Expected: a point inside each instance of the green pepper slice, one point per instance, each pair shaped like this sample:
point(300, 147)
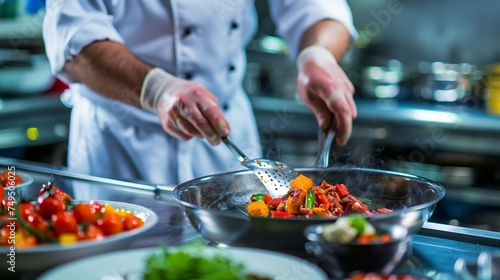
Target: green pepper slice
point(310, 197)
point(257, 197)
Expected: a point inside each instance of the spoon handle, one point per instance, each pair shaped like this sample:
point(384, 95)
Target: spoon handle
point(236, 151)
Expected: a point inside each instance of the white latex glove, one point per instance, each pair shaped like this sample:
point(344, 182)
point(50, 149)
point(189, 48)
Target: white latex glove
point(326, 90)
point(186, 109)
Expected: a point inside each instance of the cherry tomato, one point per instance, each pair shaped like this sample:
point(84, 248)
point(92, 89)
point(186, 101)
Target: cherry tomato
point(4, 236)
point(85, 213)
point(64, 222)
point(110, 224)
point(46, 191)
point(9, 178)
point(132, 222)
point(96, 205)
point(62, 195)
point(37, 222)
point(2, 193)
point(90, 232)
point(49, 206)
point(26, 209)
point(4, 205)
point(107, 209)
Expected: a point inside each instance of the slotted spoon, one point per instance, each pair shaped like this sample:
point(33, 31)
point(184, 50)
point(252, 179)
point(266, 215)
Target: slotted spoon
point(276, 176)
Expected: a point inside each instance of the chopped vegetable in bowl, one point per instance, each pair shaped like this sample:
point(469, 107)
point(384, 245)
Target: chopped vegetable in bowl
point(353, 244)
point(353, 228)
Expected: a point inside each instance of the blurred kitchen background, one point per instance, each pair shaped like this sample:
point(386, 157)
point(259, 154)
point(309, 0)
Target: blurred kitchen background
point(427, 80)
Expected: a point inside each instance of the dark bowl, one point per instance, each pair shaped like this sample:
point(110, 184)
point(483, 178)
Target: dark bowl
point(346, 258)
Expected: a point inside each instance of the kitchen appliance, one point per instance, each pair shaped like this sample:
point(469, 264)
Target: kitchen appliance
point(385, 81)
point(443, 82)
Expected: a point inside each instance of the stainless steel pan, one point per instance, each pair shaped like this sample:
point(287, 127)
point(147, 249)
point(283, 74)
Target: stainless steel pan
point(215, 205)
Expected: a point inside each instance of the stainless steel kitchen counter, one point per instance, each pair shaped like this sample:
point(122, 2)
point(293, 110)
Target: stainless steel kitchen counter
point(433, 250)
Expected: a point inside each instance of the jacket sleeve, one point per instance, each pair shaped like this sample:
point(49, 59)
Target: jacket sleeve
point(293, 18)
point(69, 26)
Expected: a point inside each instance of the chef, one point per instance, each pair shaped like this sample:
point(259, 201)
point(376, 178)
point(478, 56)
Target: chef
point(155, 84)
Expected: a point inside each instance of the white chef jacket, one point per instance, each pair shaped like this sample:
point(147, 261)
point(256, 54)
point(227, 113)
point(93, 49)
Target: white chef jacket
point(199, 40)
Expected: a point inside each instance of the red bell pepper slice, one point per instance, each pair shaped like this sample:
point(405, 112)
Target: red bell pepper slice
point(341, 189)
point(267, 198)
point(321, 196)
point(275, 202)
point(281, 214)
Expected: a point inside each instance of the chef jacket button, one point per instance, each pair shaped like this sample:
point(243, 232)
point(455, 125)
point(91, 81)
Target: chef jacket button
point(225, 107)
point(231, 68)
point(234, 25)
point(188, 31)
point(188, 75)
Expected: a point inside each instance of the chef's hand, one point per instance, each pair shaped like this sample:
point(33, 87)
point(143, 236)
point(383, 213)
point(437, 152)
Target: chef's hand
point(326, 90)
point(186, 109)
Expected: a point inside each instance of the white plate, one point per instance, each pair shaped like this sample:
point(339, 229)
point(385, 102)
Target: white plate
point(131, 262)
point(45, 256)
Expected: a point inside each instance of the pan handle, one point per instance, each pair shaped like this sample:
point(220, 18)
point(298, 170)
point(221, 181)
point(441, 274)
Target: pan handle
point(325, 141)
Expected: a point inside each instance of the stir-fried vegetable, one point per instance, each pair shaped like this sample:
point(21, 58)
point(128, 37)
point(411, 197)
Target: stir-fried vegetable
point(310, 197)
point(307, 200)
point(258, 209)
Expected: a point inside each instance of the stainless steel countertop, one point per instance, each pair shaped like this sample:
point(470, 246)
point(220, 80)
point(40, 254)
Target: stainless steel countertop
point(433, 250)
